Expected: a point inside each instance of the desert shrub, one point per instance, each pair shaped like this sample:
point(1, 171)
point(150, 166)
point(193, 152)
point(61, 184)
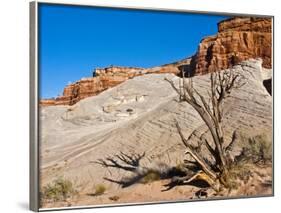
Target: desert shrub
point(258, 149)
point(237, 171)
point(100, 189)
point(59, 189)
point(151, 176)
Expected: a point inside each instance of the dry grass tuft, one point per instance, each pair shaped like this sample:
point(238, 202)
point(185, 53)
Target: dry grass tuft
point(99, 189)
point(59, 190)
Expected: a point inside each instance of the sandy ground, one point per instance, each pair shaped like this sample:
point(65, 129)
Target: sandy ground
point(157, 191)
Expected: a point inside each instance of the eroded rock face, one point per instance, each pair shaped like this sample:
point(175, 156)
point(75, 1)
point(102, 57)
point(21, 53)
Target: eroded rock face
point(48, 102)
point(238, 39)
point(89, 87)
point(104, 78)
point(133, 119)
point(119, 71)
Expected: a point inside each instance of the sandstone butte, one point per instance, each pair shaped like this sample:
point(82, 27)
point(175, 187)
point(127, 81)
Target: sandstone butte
point(238, 39)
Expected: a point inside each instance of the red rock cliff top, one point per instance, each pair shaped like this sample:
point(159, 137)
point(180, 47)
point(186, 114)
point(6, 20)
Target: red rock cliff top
point(245, 24)
point(238, 39)
point(104, 78)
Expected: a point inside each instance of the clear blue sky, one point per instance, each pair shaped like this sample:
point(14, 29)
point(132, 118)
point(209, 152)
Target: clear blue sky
point(74, 40)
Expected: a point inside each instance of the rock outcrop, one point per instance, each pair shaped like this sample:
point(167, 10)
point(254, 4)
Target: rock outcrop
point(238, 39)
point(104, 78)
point(48, 102)
point(133, 119)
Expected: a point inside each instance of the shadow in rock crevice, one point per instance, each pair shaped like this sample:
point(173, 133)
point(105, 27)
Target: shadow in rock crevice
point(268, 85)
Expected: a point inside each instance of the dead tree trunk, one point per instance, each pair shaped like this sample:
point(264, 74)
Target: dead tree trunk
point(222, 83)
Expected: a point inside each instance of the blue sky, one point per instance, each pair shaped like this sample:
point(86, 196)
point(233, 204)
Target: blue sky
point(74, 40)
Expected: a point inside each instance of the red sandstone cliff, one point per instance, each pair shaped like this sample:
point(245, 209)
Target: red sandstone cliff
point(103, 79)
point(238, 39)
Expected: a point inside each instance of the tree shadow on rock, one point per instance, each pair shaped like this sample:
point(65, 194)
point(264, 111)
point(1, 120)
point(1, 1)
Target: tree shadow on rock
point(122, 161)
point(142, 174)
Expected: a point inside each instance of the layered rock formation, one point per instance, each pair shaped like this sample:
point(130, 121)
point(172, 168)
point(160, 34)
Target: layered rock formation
point(129, 72)
point(140, 119)
point(104, 78)
point(238, 39)
point(47, 102)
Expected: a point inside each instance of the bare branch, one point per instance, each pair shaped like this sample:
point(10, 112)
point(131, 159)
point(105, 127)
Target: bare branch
point(173, 86)
point(190, 150)
point(233, 140)
point(211, 112)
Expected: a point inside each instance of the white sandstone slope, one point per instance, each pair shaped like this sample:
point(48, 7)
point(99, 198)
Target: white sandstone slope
point(137, 117)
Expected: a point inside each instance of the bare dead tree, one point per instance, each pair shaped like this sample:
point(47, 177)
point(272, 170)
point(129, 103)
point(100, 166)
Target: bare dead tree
point(211, 112)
